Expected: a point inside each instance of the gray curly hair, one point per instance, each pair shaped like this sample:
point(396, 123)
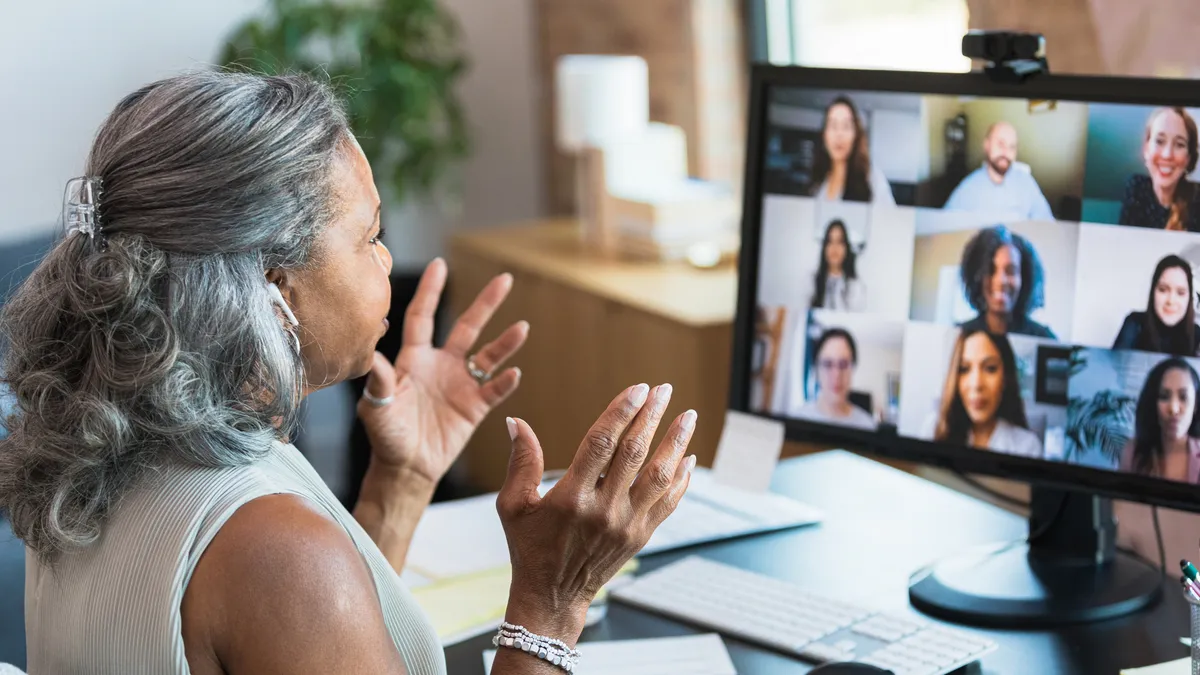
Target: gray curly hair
point(156, 340)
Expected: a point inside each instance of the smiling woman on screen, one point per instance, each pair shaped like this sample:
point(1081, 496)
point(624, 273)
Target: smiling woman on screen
point(224, 258)
point(981, 402)
point(1165, 198)
point(1169, 323)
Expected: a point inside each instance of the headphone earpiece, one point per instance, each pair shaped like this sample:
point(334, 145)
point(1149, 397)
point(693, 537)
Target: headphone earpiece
point(277, 296)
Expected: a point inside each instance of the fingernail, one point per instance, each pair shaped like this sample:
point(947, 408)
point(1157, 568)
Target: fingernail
point(639, 394)
point(689, 420)
point(663, 392)
point(691, 463)
point(517, 372)
point(512, 428)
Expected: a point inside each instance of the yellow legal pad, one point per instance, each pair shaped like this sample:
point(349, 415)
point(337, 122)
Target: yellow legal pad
point(471, 604)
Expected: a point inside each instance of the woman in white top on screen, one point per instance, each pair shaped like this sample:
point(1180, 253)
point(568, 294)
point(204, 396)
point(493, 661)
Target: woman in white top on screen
point(835, 356)
point(981, 403)
point(837, 284)
point(842, 169)
point(1166, 441)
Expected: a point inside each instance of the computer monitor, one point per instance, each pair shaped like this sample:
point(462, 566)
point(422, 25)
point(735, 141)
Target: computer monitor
point(1004, 271)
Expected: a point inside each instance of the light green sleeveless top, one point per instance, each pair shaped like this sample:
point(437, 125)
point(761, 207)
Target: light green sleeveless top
point(113, 608)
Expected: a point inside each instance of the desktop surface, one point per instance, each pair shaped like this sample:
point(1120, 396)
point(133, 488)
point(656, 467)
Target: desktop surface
point(881, 526)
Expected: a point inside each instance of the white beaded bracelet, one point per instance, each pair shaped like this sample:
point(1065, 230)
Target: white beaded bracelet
point(545, 648)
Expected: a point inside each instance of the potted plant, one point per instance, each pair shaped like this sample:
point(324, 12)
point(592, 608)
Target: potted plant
point(1097, 423)
point(395, 62)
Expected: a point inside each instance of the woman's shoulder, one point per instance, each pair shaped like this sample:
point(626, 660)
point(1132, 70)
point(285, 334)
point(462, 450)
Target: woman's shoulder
point(1022, 441)
point(1137, 184)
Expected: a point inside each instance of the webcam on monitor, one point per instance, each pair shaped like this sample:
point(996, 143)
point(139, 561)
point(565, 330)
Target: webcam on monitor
point(1011, 56)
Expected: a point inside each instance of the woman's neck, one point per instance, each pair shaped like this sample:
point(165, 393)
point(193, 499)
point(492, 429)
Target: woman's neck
point(1174, 445)
point(836, 179)
point(1176, 454)
point(830, 406)
point(997, 322)
point(1165, 193)
point(981, 434)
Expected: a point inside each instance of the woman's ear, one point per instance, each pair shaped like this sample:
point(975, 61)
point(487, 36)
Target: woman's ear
point(280, 279)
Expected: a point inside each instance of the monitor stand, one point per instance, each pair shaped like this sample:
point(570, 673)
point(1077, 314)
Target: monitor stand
point(1067, 571)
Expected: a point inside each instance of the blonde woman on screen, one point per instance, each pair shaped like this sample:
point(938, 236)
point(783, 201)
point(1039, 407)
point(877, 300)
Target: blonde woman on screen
point(981, 402)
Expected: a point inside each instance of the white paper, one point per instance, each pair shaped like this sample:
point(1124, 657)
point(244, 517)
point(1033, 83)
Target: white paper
point(687, 655)
point(710, 511)
point(458, 537)
point(748, 451)
point(464, 536)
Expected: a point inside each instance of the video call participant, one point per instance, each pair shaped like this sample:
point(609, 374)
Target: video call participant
point(1168, 325)
point(1166, 441)
point(1003, 279)
point(981, 403)
point(842, 168)
point(997, 186)
point(1165, 199)
point(837, 284)
point(835, 356)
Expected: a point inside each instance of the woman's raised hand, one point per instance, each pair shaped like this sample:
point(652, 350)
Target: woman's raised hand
point(567, 544)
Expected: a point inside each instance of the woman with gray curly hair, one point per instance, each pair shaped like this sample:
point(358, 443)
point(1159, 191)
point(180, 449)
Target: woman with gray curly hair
point(223, 260)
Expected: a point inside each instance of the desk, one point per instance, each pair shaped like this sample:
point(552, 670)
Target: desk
point(867, 536)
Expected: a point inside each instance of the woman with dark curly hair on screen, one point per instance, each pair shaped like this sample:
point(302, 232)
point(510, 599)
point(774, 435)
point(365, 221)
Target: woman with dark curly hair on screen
point(981, 402)
point(1003, 279)
point(1166, 440)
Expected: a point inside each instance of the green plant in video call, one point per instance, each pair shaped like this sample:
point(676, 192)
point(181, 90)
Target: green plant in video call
point(395, 62)
point(1097, 423)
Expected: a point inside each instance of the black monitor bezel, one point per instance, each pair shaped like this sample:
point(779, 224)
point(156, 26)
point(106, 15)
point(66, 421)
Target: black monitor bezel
point(1046, 473)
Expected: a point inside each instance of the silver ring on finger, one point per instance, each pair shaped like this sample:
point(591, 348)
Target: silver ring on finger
point(375, 400)
point(481, 376)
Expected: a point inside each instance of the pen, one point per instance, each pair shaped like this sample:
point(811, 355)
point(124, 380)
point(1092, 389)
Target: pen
point(1188, 568)
point(1188, 590)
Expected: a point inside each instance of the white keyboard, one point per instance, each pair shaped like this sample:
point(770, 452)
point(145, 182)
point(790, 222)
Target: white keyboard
point(782, 616)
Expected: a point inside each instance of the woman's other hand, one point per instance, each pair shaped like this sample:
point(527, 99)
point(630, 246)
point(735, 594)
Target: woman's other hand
point(566, 545)
point(436, 402)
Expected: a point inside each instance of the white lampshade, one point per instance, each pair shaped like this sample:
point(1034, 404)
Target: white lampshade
point(600, 98)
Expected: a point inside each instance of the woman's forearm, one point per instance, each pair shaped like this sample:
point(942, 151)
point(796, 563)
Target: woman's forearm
point(389, 507)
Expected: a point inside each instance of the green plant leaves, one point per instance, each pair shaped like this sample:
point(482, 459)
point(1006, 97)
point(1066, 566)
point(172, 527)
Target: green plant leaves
point(396, 64)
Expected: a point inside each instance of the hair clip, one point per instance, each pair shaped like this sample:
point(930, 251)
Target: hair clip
point(81, 206)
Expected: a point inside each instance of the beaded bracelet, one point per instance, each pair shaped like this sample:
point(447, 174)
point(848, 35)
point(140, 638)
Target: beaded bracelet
point(556, 652)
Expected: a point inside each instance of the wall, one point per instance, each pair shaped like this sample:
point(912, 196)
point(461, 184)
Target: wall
point(936, 110)
point(64, 65)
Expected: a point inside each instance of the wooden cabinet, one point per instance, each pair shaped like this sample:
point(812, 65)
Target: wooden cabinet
point(596, 327)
